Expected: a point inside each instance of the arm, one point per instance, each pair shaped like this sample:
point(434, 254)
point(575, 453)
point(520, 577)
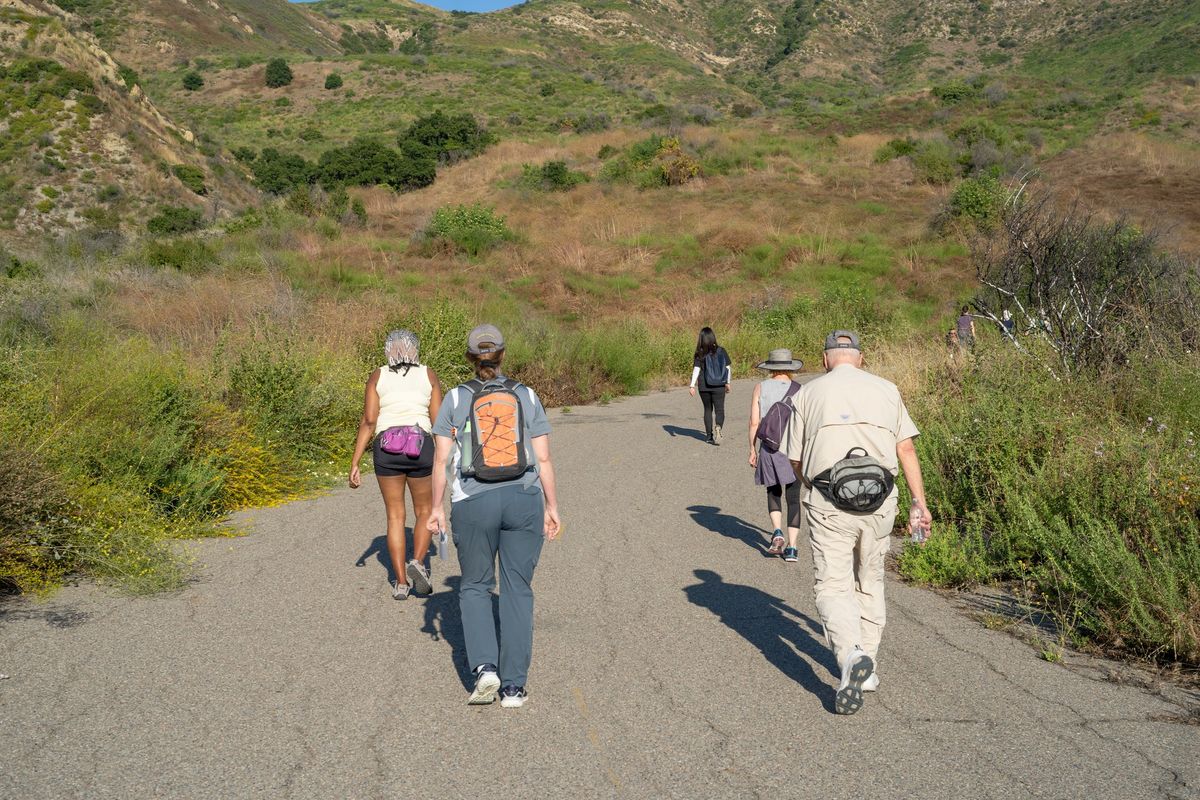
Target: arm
point(695, 377)
point(755, 419)
point(728, 375)
point(541, 449)
point(907, 455)
point(435, 398)
point(441, 456)
point(366, 428)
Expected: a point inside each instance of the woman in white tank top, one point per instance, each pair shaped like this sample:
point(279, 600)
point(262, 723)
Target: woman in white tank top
point(405, 394)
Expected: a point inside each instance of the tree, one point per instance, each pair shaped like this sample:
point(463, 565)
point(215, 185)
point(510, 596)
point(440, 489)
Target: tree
point(279, 173)
point(278, 73)
point(174, 220)
point(193, 81)
point(369, 162)
point(333, 81)
point(445, 138)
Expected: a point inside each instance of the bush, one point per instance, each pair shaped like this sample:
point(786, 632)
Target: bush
point(896, 148)
point(245, 155)
point(445, 138)
point(279, 173)
point(368, 162)
point(334, 81)
point(359, 211)
point(980, 200)
point(936, 162)
point(547, 90)
point(743, 110)
point(191, 177)
point(190, 256)
point(128, 75)
point(995, 94)
point(552, 176)
point(193, 81)
point(278, 73)
point(954, 92)
point(172, 220)
point(471, 229)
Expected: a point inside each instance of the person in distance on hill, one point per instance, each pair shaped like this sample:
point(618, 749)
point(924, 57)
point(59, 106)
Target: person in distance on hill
point(965, 327)
point(399, 403)
point(493, 438)
point(771, 467)
point(848, 435)
point(711, 376)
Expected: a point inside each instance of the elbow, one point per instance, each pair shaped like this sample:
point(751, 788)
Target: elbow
point(906, 448)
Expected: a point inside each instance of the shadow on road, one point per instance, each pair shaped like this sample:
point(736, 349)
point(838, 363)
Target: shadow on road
point(690, 433)
point(728, 525)
point(378, 549)
point(444, 623)
point(772, 626)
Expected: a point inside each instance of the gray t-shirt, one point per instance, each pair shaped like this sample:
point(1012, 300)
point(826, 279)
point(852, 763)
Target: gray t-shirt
point(452, 419)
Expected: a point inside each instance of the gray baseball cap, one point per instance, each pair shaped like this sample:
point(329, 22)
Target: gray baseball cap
point(833, 341)
point(485, 339)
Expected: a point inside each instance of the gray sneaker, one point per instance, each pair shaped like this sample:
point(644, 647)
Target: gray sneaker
point(399, 590)
point(855, 672)
point(418, 577)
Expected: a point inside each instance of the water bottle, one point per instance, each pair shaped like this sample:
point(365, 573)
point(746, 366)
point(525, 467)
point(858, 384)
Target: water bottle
point(442, 545)
point(916, 523)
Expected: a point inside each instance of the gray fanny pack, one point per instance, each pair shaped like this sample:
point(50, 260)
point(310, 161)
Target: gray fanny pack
point(858, 483)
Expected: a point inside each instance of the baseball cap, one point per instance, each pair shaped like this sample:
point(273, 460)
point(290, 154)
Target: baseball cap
point(485, 339)
point(833, 341)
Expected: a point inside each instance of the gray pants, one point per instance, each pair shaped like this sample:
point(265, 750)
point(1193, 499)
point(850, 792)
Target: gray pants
point(508, 521)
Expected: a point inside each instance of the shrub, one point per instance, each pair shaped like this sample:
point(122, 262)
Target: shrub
point(546, 90)
point(896, 148)
point(471, 229)
point(191, 177)
point(368, 162)
point(311, 134)
point(585, 123)
point(743, 110)
point(954, 92)
point(995, 94)
point(359, 211)
point(278, 73)
point(245, 155)
point(334, 81)
point(128, 75)
point(936, 162)
point(190, 256)
point(445, 138)
point(193, 81)
point(552, 176)
point(172, 220)
point(300, 201)
point(278, 173)
point(980, 200)
point(336, 204)
point(606, 152)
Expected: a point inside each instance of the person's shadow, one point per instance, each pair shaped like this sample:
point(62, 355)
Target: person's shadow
point(728, 525)
point(690, 433)
point(773, 627)
point(378, 549)
point(444, 622)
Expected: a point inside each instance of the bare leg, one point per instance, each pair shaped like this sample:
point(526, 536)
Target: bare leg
point(392, 488)
point(421, 490)
point(777, 521)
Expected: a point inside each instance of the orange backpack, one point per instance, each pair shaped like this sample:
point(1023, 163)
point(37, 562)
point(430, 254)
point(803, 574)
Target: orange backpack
point(495, 435)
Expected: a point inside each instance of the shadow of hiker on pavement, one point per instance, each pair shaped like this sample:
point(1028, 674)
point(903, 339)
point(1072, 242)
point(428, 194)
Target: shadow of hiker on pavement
point(728, 525)
point(443, 622)
point(378, 548)
point(690, 433)
point(772, 626)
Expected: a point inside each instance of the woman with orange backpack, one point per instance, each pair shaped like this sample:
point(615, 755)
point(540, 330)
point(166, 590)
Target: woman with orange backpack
point(493, 442)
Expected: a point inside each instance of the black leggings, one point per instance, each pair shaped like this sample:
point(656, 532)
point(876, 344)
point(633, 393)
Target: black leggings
point(713, 400)
point(775, 501)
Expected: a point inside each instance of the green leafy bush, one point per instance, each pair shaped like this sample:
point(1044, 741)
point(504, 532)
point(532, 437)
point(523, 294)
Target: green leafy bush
point(980, 200)
point(471, 229)
point(278, 73)
point(445, 138)
point(171, 220)
point(936, 162)
point(552, 176)
point(279, 173)
point(193, 81)
point(955, 92)
point(896, 148)
point(334, 81)
point(190, 256)
point(191, 177)
point(368, 162)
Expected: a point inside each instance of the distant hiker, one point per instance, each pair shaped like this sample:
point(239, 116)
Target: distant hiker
point(398, 404)
point(965, 328)
point(769, 413)
point(848, 435)
point(952, 343)
point(1008, 323)
point(712, 373)
point(493, 443)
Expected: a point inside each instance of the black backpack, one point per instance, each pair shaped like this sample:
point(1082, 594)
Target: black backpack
point(858, 484)
point(715, 364)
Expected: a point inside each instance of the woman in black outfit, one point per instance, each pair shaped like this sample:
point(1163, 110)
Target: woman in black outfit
point(711, 375)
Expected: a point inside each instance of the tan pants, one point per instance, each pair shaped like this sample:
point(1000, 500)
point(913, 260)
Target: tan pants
point(848, 555)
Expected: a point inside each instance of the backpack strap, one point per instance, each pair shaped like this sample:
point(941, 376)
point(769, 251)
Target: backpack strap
point(791, 390)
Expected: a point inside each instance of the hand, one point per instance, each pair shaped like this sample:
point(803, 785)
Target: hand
point(355, 477)
point(753, 457)
point(692, 391)
point(926, 517)
point(437, 521)
point(552, 524)
point(728, 388)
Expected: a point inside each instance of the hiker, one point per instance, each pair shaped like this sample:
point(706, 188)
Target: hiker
point(399, 403)
point(712, 373)
point(965, 328)
point(768, 421)
point(848, 434)
point(493, 436)
point(1008, 324)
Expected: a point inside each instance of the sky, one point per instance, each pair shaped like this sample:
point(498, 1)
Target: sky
point(459, 5)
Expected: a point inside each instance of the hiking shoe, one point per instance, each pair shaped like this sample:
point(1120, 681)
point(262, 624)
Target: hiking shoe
point(399, 590)
point(871, 684)
point(513, 696)
point(777, 543)
point(790, 554)
point(418, 576)
point(855, 672)
point(717, 434)
point(487, 682)
point(710, 439)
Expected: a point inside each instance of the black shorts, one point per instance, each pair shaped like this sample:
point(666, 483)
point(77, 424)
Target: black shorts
point(389, 465)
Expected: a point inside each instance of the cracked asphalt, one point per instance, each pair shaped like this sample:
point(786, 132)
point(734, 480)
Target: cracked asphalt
point(672, 659)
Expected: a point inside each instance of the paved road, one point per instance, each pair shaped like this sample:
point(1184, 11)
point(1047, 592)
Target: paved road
point(672, 660)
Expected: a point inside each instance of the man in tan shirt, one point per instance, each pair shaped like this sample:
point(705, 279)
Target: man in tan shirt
point(844, 409)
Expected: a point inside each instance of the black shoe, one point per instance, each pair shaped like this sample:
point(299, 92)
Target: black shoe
point(710, 439)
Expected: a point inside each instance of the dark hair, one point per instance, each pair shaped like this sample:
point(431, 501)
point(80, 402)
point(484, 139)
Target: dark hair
point(487, 365)
point(966, 310)
point(706, 343)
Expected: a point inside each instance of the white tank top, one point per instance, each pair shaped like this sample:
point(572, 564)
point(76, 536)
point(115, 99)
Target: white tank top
point(403, 399)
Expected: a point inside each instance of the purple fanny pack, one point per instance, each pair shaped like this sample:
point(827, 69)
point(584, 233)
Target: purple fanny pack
point(402, 440)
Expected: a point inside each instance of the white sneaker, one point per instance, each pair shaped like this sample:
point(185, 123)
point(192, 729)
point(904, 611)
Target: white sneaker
point(717, 434)
point(871, 684)
point(857, 668)
point(418, 577)
point(487, 683)
point(513, 696)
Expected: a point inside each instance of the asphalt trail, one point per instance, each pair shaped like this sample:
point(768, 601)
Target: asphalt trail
point(672, 659)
